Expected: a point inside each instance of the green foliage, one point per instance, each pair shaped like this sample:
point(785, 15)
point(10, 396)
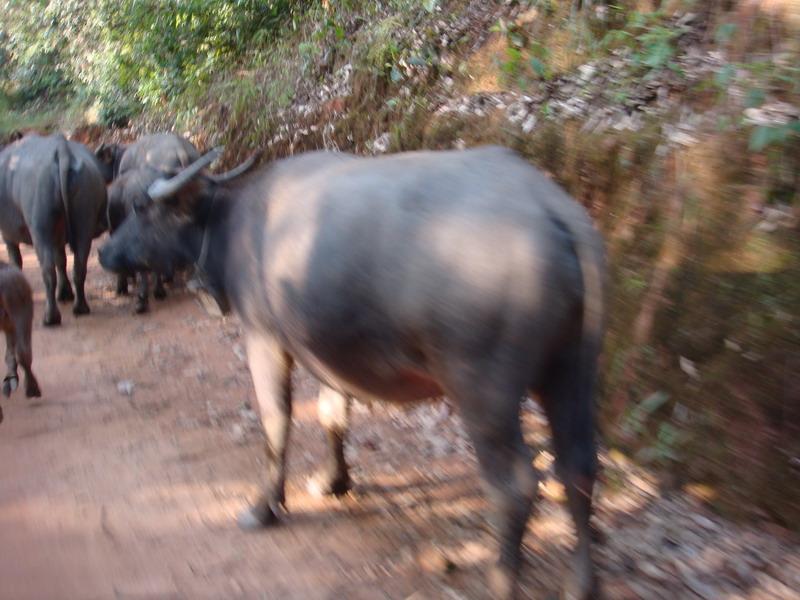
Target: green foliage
point(636, 420)
point(763, 136)
point(126, 54)
point(518, 49)
point(724, 33)
point(651, 41)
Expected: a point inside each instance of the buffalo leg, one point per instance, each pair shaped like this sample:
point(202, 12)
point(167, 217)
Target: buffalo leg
point(14, 254)
point(11, 380)
point(80, 259)
point(64, 293)
point(491, 417)
point(334, 413)
point(159, 293)
point(271, 370)
point(44, 252)
point(122, 284)
point(23, 320)
point(567, 397)
point(143, 295)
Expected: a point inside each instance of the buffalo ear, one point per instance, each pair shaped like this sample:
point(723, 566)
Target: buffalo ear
point(106, 153)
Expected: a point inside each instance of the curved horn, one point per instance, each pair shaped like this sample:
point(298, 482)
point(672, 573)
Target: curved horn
point(235, 172)
point(163, 188)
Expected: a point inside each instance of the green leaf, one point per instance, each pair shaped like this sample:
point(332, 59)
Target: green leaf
point(755, 98)
point(636, 419)
point(723, 77)
point(539, 68)
point(658, 55)
point(395, 74)
point(761, 137)
point(430, 5)
point(516, 39)
point(652, 403)
point(724, 33)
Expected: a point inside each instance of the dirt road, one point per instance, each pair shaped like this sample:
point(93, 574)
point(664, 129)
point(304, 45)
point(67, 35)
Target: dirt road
point(124, 479)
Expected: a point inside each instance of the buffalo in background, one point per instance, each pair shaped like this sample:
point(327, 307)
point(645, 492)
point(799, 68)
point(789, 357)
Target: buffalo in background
point(133, 169)
point(52, 194)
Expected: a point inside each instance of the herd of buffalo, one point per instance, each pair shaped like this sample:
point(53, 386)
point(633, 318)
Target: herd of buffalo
point(402, 277)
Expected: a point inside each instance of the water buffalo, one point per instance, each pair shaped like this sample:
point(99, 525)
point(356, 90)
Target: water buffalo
point(137, 167)
point(403, 277)
point(165, 152)
point(16, 319)
point(128, 194)
point(52, 193)
point(131, 169)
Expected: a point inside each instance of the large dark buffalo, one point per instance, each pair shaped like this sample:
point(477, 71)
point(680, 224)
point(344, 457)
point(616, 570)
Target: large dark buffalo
point(131, 169)
point(401, 278)
point(52, 193)
point(137, 166)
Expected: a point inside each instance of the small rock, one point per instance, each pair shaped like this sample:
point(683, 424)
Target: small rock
point(249, 415)
point(704, 522)
point(652, 571)
point(553, 490)
point(687, 18)
point(687, 366)
point(381, 143)
point(692, 582)
point(587, 71)
point(238, 434)
point(732, 345)
point(125, 387)
point(543, 461)
point(238, 350)
point(432, 559)
point(767, 227)
point(529, 123)
point(772, 588)
point(740, 572)
point(681, 138)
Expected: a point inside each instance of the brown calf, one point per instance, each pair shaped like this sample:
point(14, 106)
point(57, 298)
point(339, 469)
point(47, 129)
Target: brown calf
point(16, 318)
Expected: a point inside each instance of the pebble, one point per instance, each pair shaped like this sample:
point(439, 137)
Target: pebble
point(238, 434)
point(652, 571)
point(125, 387)
point(432, 559)
point(704, 522)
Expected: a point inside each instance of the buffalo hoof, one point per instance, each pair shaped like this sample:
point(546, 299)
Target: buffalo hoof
point(322, 484)
point(81, 308)
point(52, 319)
point(32, 388)
point(141, 306)
point(159, 293)
point(65, 294)
point(10, 384)
point(257, 517)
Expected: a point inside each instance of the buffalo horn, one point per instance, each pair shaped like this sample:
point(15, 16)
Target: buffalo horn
point(235, 172)
point(164, 188)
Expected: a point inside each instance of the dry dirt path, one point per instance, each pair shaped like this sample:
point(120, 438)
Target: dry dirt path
point(123, 481)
